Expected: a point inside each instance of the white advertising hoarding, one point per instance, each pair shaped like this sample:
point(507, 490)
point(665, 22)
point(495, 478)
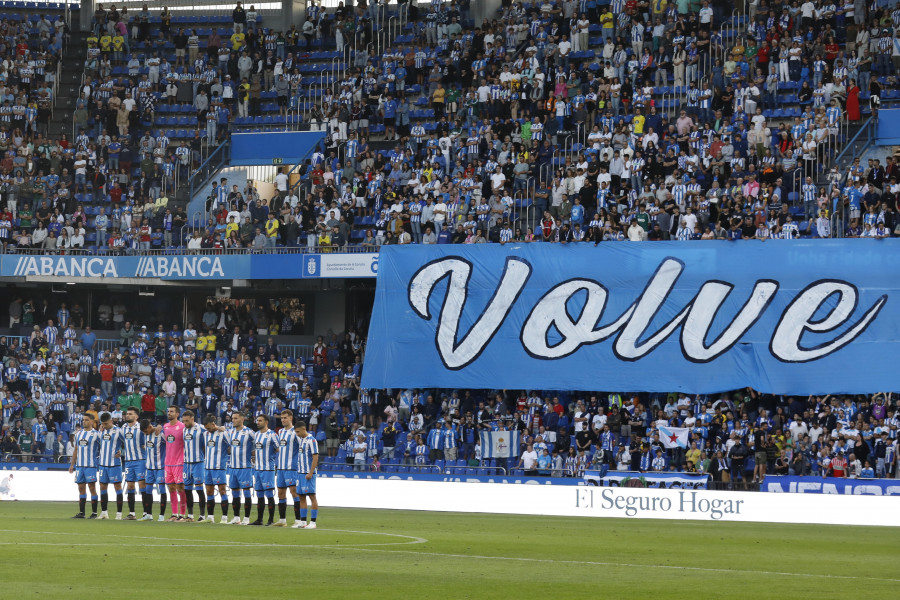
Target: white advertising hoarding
point(551, 500)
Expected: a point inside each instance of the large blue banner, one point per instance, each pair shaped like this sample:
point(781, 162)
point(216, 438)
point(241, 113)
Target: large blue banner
point(786, 317)
point(191, 267)
point(830, 485)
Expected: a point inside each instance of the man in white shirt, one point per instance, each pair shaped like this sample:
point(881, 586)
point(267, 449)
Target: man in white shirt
point(798, 428)
point(528, 461)
point(564, 48)
point(599, 420)
point(440, 215)
point(815, 433)
point(359, 453)
point(581, 417)
point(281, 183)
point(497, 180)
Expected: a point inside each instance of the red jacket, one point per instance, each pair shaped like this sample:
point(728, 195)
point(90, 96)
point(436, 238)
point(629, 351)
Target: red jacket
point(107, 370)
point(148, 403)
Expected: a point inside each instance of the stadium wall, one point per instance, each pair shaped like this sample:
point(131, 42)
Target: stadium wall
point(566, 501)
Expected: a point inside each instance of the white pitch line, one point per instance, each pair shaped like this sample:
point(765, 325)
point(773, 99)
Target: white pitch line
point(412, 539)
point(632, 565)
point(122, 545)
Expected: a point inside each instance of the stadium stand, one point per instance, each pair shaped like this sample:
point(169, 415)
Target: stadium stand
point(554, 121)
point(558, 121)
point(55, 374)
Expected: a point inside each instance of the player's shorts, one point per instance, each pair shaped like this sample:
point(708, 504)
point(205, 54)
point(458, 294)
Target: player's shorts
point(110, 474)
point(193, 473)
point(263, 480)
point(85, 474)
point(155, 476)
point(214, 477)
point(240, 479)
point(134, 470)
point(285, 479)
point(174, 474)
point(306, 487)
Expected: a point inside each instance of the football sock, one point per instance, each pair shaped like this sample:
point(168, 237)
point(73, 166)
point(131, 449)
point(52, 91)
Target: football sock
point(248, 504)
point(119, 501)
point(93, 504)
point(201, 501)
point(104, 500)
point(282, 508)
point(82, 500)
point(313, 513)
point(131, 501)
point(189, 500)
point(297, 507)
point(303, 512)
point(236, 505)
point(271, 501)
point(163, 498)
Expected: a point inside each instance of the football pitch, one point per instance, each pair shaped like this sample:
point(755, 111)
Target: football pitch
point(401, 554)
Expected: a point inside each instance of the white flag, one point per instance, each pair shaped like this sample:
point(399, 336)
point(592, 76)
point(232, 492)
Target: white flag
point(674, 437)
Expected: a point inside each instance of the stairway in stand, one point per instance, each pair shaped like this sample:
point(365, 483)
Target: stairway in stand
point(69, 86)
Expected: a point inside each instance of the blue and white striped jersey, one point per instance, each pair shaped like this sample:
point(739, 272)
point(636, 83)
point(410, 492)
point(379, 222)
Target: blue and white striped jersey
point(308, 446)
point(288, 443)
point(303, 407)
point(134, 442)
point(111, 443)
point(241, 443)
point(156, 451)
point(193, 447)
point(265, 446)
point(217, 448)
point(87, 448)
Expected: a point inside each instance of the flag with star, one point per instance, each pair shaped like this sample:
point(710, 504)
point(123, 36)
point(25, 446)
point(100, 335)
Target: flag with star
point(674, 437)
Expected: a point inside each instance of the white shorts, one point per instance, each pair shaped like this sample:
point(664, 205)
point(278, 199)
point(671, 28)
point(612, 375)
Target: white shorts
point(360, 202)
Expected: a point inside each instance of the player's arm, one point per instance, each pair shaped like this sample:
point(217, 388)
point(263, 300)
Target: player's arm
point(72, 462)
point(313, 466)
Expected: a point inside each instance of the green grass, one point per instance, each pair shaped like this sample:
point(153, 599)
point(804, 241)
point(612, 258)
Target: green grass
point(45, 554)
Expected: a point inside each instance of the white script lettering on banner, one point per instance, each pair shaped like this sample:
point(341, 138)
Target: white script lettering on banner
point(634, 342)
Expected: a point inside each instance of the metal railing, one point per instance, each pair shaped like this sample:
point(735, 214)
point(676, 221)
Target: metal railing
point(184, 251)
point(421, 469)
point(32, 458)
point(208, 169)
point(857, 145)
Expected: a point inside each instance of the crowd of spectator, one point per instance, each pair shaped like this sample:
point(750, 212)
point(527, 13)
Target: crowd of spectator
point(554, 121)
point(51, 377)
